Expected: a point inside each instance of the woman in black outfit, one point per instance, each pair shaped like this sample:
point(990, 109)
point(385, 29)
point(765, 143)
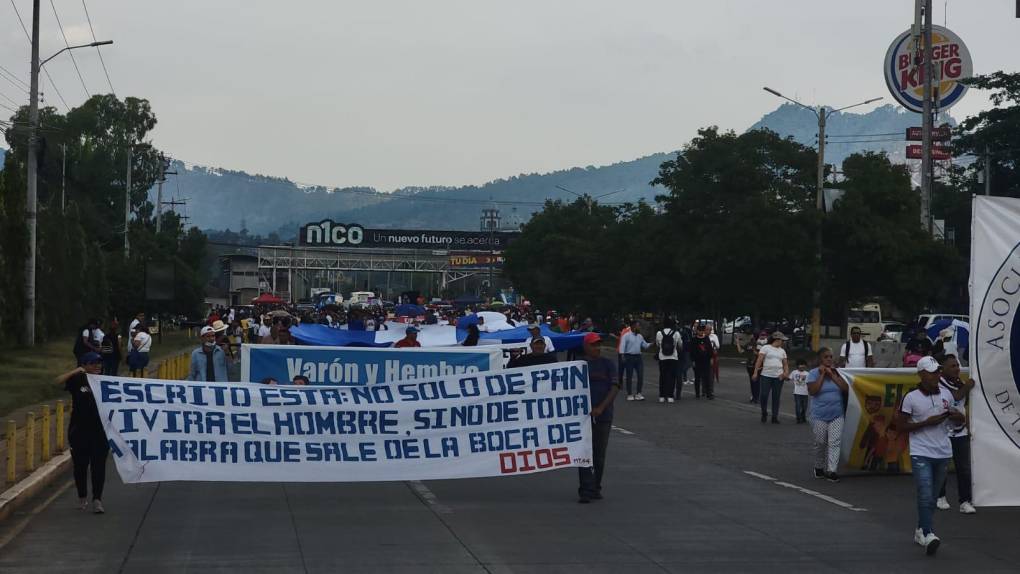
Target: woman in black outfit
point(85, 434)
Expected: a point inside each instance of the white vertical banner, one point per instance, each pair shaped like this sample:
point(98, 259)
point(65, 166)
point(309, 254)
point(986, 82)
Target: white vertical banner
point(995, 324)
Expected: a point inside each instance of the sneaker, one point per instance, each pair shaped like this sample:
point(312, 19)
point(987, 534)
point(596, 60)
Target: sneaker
point(832, 477)
point(967, 508)
point(663, 399)
point(670, 400)
point(919, 537)
point(583, 500)
point(596, 496)
point(630, 397)
point(97, 507)
point(764, 417)
point(639, 397)
point(942, 503)
point(931, 544)
point(819, 473)
point(775, 421)
point(83, 503)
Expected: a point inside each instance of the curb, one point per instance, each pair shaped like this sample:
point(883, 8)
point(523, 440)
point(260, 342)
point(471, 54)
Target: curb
point(17, 495)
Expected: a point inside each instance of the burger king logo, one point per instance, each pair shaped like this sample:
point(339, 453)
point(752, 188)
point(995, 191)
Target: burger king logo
point(904, 72)
point(997, 365)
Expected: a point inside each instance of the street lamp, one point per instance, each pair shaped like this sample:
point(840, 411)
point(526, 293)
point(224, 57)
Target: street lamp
point(589, 200)
point(31, 196)
point(822, 114)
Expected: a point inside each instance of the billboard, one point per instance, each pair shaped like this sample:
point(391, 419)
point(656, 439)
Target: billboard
point(904, 73)
point(328, 233)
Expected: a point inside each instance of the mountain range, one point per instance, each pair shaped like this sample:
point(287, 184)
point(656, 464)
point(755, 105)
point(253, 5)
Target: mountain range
point(223, 199)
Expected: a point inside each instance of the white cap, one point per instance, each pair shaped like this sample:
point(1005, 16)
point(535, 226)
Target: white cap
point(927, 364)
point(206, 330)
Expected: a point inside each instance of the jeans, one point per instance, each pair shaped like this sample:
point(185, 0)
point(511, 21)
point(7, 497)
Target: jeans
point(590, 478)
point(928, 473)
point(632, 364)
point(684, 367)
point(772, 385)
point(667, 378)
point(703, 378)
point(800, 403)
point(754, 383)
point(828, 440)
point(619, 367)
point(961, 460)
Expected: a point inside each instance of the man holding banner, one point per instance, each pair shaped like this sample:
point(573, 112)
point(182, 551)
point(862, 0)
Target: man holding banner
point(603, 388)
point(925, 414)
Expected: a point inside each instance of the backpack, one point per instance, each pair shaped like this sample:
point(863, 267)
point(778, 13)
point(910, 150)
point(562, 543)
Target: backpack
point(686, 336)
point(846, 350)
point(668, 346)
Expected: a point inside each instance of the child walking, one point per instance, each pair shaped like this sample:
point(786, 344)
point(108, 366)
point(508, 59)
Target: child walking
point(800, 392)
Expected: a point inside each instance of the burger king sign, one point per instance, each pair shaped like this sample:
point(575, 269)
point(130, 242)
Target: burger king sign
point(904, 72)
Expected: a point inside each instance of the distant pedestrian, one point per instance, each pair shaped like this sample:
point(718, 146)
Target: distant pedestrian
point(958, 437)
point(856, 352)
point(684, 367)
point(702, 353)
point(536, 355)
point(716, 345)
point(926, 414)
point(603, 388)
point(800, 391)
point(752, 348)
point(410, 339)
point(771, 369)
point(138, 357)
point(631, 345)
point(619, 347)
point(300, 380)
point(209, 361)
point(669, 344)
point(133, 326)
point(828, 392)
point(89, 339)
point(473, 335)
point(110, 349)
point(534, 331)
point(89, 446)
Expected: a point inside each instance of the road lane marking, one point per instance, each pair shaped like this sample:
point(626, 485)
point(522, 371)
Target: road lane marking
point(621, 430)
point(807, 491)
point(429, 497)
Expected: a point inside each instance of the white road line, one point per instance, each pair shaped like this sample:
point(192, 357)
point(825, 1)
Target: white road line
point(807, 491)
point(622, 430)
point(429, 498)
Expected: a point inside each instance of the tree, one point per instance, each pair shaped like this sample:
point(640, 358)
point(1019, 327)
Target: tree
point(996, 130)
point(742, 210)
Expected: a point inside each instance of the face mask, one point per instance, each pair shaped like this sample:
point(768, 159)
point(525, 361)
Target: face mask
point(209, 343)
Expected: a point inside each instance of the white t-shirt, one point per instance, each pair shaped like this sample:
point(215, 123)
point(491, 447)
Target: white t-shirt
point(133, 326)
point(857, 358)
point(264, 331)
point(144, 342)
point(799, 379)
point(549, 348)
point(97, 334)
point(929, 441)
point(677, 344)
point(772, 366)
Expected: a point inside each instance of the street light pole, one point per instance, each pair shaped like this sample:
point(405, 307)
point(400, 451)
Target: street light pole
point(31, 182)
point(816, 294)
point(31, 176)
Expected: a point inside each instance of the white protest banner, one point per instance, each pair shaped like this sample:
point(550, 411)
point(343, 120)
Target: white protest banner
point(362, 365)
point(497, 423)
point(995, 324)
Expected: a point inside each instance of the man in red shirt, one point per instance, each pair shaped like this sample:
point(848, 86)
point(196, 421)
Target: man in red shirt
point(410, 338)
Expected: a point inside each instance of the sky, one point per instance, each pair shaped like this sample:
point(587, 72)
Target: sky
point(394, 93)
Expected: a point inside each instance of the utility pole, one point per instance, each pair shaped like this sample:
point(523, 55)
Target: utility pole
point(127, 203)
point(816, 293)
point(159, 192)
point(31, 182)
point(927, 165)
point(63, 176)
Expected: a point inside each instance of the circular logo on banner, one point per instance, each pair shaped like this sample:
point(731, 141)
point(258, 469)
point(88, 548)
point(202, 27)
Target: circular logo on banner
point(904, 73)
point(997, 363)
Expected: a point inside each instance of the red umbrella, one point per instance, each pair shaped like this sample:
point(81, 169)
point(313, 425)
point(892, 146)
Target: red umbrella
point(267, 299)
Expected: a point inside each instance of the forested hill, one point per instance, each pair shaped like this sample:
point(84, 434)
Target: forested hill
point(221, 199)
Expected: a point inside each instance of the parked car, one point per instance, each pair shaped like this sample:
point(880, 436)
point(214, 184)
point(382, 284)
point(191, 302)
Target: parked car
point(927, 320)
point(892, 332)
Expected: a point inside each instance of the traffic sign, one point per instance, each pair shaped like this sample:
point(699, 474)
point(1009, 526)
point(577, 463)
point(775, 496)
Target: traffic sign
point(939, 134)
point(937, 153)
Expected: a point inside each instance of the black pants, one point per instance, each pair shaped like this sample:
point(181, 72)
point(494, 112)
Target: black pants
point(111, 365)
point(772, 385)
point(703, 379)
point(86, 453)
point(961, 460)
point(754, 384)
point(667, 378)
point(590, 478)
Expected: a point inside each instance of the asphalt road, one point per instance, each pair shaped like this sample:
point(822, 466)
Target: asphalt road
point(680, 497)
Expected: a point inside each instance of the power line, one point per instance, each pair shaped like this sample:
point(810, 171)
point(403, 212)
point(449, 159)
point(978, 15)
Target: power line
point(69, 51)
point(5, 106)
point(98, 51)
point(8, 98)
point(13, 84)
point(45, 71)
point(13, 78)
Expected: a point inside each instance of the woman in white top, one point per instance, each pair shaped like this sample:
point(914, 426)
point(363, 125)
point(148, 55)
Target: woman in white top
point(771, 369)
point(138, 357)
